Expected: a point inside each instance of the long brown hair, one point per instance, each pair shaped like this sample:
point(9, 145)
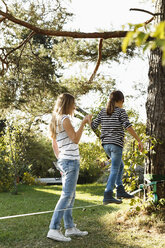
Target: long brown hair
point(115, 96)
point(63, 106)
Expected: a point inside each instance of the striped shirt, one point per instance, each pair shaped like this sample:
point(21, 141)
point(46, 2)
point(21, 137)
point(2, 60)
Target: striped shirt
point(67, 149)
point(112, 127)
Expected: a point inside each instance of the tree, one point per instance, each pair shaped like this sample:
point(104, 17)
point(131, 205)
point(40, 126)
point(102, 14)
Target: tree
point(156, 112)
point(155, 40)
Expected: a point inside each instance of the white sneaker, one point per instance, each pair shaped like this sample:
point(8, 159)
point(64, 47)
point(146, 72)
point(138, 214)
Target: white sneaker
point(75, 231)
point(57, 235)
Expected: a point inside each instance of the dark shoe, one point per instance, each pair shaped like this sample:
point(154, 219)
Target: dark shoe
point(121, 193)
point(108, 198)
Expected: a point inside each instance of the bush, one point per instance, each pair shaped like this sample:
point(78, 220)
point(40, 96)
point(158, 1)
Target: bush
point(91, 162)
point(40, 155)
point(28, 179)
point(6, 179)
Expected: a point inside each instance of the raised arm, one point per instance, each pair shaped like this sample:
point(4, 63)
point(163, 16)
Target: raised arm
point(75, 135)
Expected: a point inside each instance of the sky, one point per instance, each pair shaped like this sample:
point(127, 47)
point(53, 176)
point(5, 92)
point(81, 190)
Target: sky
point(91, 15)
point(108, 15)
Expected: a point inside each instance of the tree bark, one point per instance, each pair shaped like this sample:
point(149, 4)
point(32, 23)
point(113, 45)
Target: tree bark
point(155, 107)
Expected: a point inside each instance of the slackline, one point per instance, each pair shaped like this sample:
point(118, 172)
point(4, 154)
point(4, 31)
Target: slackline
point(46, 212)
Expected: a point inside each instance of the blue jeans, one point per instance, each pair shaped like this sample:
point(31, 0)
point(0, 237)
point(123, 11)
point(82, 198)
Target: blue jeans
point(70, 172)
point(117, 166)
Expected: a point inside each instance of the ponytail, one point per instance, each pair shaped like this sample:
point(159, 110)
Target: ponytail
point(110, 107)
point(115, 96)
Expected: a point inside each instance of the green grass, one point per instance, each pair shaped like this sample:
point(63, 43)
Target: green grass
point(106, 225)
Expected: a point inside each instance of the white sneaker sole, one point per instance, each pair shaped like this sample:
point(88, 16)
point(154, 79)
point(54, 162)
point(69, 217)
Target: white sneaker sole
point(76, 234)
point(58, 239)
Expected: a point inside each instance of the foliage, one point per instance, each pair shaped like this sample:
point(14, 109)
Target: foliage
point(40, 155)
point(149, 40)
point(13, 146)
point(91, 162)
point(23, 149)
point(72, 51)
point(6, 179)
point(139, 206)
point(132, 157)
point(33, 71)
point(28, 179)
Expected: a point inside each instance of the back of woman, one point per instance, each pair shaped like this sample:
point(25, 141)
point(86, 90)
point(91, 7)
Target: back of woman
point(112, 126)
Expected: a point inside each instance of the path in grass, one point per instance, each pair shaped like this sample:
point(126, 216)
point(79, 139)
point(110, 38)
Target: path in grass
point(102, 222)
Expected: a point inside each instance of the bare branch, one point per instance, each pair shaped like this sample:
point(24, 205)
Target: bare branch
point(150, 20)
point(4, 60)
point(146, 11)
point(22, 43)
point(98, 61)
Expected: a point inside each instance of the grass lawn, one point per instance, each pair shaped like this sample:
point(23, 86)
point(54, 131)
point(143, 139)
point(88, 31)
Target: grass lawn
point(106, 225)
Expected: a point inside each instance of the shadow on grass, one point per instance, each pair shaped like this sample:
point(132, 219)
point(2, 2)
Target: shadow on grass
point(31, 231)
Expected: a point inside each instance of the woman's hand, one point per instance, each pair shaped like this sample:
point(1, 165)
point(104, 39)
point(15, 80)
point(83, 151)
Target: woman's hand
point(87, 119)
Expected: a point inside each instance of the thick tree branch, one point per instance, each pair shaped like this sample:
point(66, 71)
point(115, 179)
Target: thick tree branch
point(80, 35)
point(103, 35)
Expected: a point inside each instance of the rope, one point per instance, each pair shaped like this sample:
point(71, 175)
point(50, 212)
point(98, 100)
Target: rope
point(46, 212)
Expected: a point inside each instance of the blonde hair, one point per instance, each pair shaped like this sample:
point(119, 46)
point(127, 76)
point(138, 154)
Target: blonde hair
point(115, 96)
point(63, 106)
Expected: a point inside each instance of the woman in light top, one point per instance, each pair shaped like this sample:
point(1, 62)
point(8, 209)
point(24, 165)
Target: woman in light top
point(65, 146)
point(113, 120)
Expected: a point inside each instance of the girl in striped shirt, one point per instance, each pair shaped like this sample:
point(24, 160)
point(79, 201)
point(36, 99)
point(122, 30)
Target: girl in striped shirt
point(113, 121)
point(65, 145)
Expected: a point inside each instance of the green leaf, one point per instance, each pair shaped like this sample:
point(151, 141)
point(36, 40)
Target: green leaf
point(138, 208)
point(141, 38)
point(127, 40)
point(160, 31)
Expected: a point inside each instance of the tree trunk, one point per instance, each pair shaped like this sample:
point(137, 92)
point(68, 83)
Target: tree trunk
point(155, 107)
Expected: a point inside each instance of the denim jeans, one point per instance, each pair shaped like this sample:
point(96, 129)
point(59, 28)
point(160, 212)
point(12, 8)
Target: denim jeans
point(117, 166)
point(70, 172)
